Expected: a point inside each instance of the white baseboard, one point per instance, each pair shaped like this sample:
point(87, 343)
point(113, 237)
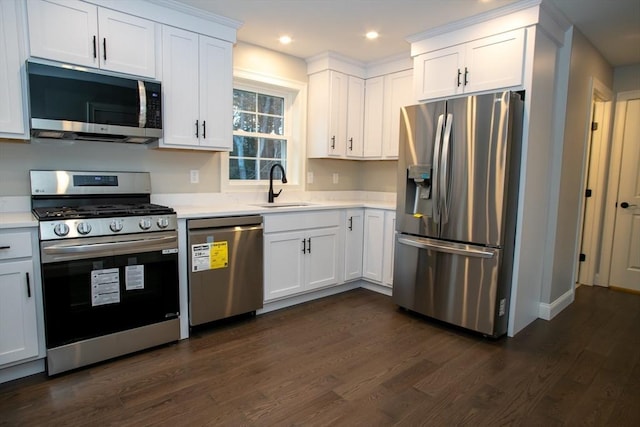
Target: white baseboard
point(22, 370)
point(376, 287)
point(299, 299)
point(549, 311)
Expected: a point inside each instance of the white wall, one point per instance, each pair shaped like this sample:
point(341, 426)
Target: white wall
point(626, 78)
point(586, 63)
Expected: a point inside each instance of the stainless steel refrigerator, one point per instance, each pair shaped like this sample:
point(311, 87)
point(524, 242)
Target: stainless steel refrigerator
point(458, 174)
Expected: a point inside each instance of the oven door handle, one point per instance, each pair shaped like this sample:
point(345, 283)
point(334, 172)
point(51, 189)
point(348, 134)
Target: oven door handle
point(100, 247)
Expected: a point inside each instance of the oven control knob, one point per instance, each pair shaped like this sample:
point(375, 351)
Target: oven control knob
point(84, 228)
point(145, 223)
point(116, 225)
point(163, 222)
point(61, 229)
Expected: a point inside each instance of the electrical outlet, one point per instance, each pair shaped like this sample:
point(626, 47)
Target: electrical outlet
point(309, 177)
point(336, 178)
point(195, 176)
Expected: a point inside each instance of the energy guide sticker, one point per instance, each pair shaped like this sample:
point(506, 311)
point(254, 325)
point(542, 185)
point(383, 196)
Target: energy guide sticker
point(209, 256)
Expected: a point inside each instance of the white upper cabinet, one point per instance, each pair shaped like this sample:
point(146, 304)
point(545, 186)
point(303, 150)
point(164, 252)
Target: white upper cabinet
point(84, 34)
point(197, 91)
point(12, 103)
point(335, 115)
point(384, 97)
point(488, 63)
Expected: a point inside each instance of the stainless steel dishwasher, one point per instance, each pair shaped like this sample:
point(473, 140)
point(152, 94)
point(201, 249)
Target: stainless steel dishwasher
point(225, 267)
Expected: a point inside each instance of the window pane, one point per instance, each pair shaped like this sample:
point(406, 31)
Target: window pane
point(270, 105)
point(244, 121)
point(244, 146)
point(242, 169)
point(265, 168)
point(244, 100)
point(268, 124)
point(273, 148)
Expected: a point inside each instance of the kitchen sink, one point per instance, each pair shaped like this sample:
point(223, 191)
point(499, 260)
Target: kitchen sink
point(285, 205)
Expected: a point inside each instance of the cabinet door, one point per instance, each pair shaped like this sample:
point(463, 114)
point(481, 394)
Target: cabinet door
point(437, 73)
point(338, 89)
point(321, 261)
point(373, 244)
point(283, 264)
point(374, 117)
point(354, 228)
point(127, 43)
point(398, 93)
point(179, 87)
point(388, 247)
point(18, 330)
point(12, 117)
point(64, 31)
point(355, 117)
point(495, 62)
point(216, 94)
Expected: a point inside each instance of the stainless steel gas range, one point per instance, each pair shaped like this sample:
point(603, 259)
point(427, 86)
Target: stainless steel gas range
point(109, 266)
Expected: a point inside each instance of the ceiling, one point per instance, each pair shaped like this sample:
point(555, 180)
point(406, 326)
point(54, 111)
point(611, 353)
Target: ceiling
point(318, 26)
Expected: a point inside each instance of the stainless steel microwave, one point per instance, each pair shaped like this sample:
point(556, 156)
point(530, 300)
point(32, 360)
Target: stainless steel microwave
point(69, 102)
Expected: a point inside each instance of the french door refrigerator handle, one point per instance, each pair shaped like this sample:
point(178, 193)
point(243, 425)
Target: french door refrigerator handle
point(444, 169)
point(448, 247)
point(436, 168)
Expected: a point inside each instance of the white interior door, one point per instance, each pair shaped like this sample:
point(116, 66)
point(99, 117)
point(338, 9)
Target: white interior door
point(625, 262)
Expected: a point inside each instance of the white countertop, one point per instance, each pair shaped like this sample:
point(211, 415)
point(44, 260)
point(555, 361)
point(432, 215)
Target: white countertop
point(222, 208)
point(17, 220)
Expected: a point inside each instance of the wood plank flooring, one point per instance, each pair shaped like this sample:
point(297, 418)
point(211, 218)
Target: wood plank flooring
point(356, 359)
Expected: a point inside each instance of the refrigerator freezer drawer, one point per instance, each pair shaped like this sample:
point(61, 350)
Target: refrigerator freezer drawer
point(456, 283)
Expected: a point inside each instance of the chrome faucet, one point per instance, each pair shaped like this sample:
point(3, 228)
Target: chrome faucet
point(273, 195)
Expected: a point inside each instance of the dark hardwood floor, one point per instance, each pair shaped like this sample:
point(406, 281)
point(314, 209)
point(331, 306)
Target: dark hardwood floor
point(356, 359)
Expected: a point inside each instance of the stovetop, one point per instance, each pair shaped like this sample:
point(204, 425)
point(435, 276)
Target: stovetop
point(100, 211)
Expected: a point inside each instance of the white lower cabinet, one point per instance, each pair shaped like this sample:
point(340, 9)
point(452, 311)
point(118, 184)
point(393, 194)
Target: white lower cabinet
point(301, 252)
point(354, 229)
point(18, 318)
point(378, 247)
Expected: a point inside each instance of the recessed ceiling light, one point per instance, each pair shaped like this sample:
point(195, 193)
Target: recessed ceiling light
point(285, 39)
point(372, 35)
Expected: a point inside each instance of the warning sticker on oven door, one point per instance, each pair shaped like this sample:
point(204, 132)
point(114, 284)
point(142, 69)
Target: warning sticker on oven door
point(134, 277)
point(209, 256)
point(105, 286)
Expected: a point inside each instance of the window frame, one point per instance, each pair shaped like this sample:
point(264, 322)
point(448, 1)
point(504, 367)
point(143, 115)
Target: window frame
point(294, 94)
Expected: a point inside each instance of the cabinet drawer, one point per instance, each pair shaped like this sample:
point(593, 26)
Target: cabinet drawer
point(15, 245)
point(300, 221)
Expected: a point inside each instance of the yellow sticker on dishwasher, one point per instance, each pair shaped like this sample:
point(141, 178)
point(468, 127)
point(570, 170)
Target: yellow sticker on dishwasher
point(219, 257)
point(209, 256)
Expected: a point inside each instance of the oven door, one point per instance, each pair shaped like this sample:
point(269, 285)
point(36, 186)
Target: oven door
point(102, 285)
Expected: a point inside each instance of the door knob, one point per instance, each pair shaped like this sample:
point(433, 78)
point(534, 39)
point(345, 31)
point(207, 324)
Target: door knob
point(625, 205)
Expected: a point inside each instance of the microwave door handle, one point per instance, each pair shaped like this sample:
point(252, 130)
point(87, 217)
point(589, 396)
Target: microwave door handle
point(444, 179)
point(142, 114)
point(436, 169)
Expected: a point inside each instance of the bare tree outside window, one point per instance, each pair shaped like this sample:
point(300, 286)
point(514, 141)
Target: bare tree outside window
point(259, 139)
